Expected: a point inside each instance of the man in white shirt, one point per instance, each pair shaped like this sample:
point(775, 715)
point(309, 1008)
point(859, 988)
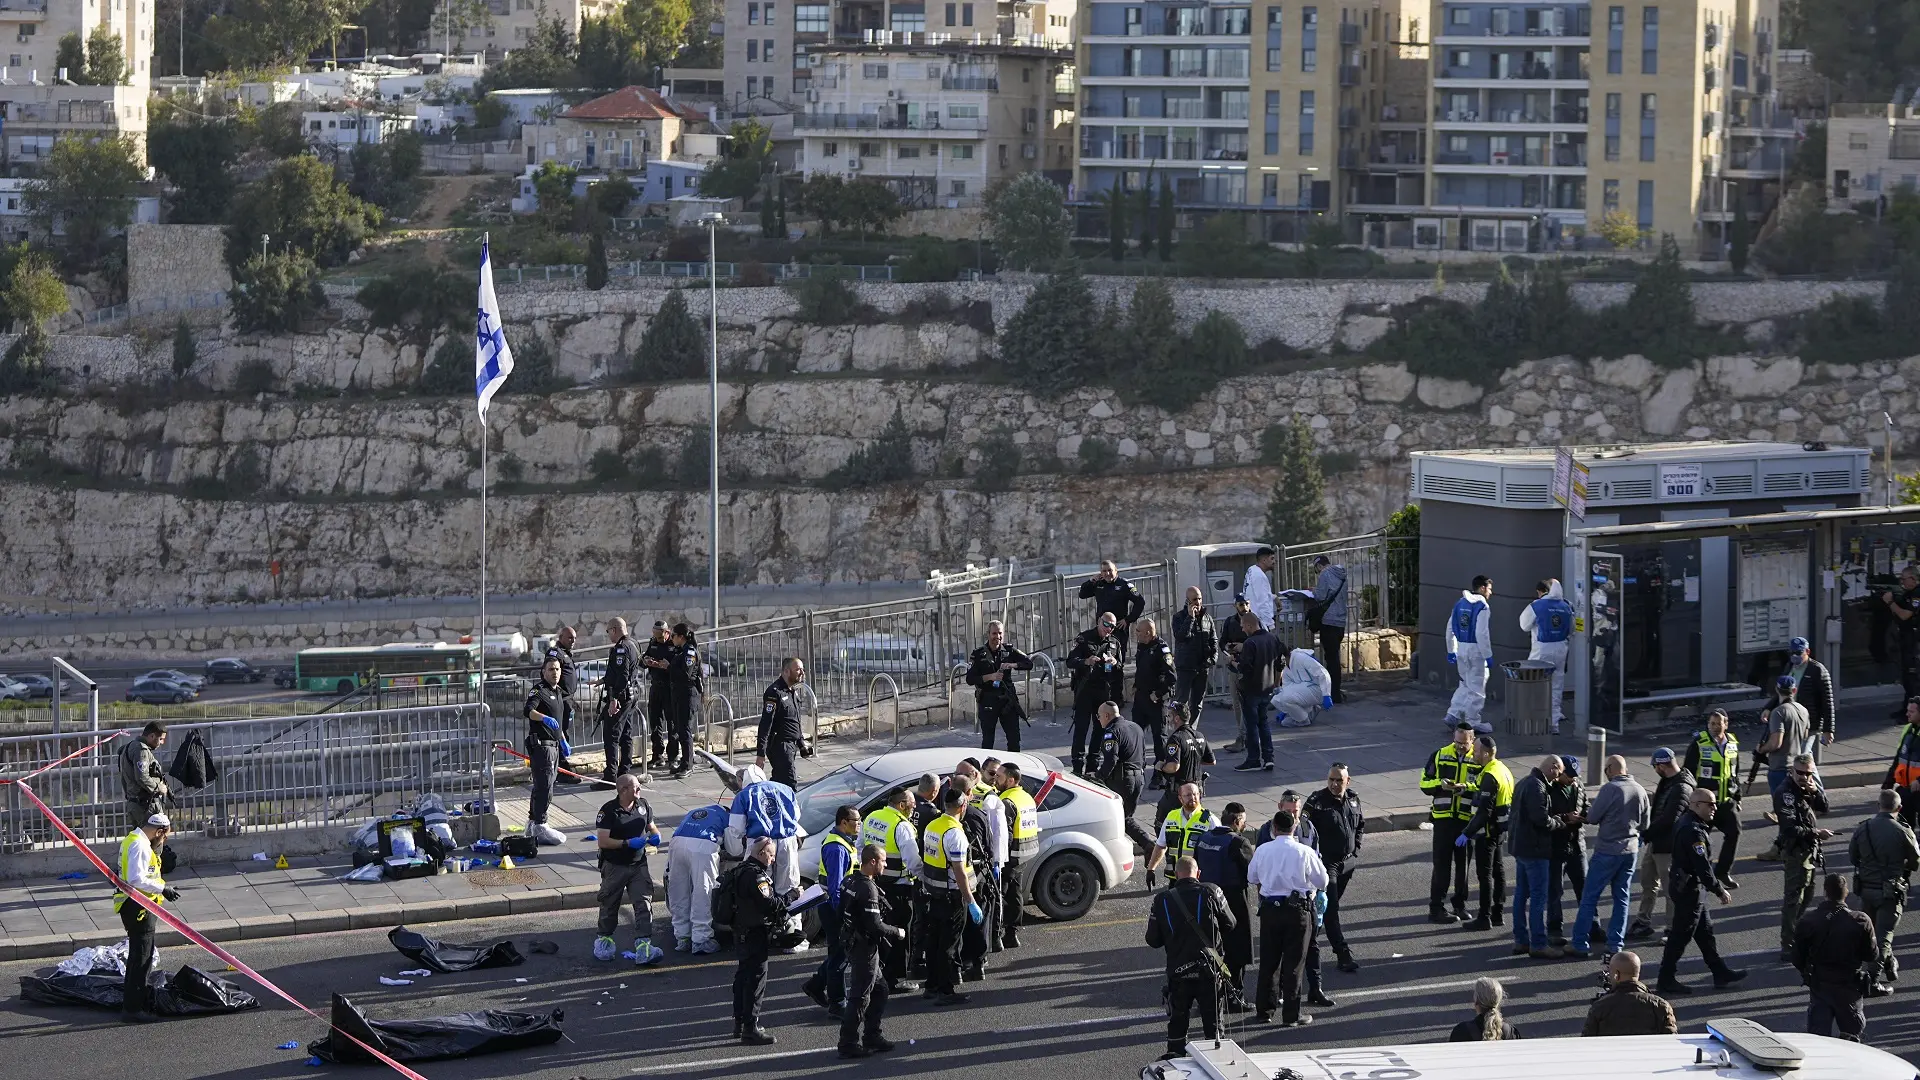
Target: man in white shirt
point(1258, 587)
point(1287, 874)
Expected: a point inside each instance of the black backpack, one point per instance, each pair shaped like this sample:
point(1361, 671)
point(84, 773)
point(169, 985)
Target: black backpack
point(726, 898)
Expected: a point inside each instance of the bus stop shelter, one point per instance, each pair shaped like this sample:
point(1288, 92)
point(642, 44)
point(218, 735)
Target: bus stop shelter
point(1686, 613)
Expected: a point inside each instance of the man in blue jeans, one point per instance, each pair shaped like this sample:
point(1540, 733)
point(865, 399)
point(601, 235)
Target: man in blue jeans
point(1621, 812)
point(1530, 831)
point(1258, 653)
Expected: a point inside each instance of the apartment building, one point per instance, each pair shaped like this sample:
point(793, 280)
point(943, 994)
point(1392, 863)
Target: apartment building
point(1872, 151)
point(509, 24)
point(769, 43)
point(38, 108)
point(937, 121)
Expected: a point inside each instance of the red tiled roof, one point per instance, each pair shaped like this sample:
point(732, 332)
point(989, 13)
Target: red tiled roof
point(630, 103)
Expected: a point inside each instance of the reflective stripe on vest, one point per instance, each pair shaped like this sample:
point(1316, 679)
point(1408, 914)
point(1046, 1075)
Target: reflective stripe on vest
point(126, 872)
point(853, 854)
point(1718, 768)
point(1455, 764)
point(1552, 620)
point(1182, 830)
point(1503, 793)
point(880, 828)
point(1023, 832)
point(1906, 758)
point(933, 852)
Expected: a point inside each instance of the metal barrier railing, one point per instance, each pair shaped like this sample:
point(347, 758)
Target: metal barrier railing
point(1377, 567)
point(955, 679)
point(893, 689)
point(708, 724)
point(1041, 662)
point(274, 775)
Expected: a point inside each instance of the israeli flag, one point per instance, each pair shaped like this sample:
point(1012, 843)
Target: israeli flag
point(492, 360)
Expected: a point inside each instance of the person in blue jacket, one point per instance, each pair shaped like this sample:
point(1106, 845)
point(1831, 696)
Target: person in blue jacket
point(693, 866)
point(839, 854)
point(766, 808)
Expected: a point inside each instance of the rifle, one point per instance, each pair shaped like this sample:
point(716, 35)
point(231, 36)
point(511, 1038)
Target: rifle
point(1753, 773)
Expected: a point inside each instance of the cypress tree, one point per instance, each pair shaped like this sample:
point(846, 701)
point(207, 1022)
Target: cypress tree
point(1297, 506)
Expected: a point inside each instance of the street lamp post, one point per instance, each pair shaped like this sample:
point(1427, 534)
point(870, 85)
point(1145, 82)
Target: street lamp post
point(712, 221)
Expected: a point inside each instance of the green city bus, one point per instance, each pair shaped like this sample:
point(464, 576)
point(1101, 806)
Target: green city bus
point(401, 664)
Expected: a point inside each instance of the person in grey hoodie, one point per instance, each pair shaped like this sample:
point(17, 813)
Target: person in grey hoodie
point(1621, 812)
point(1330, 591)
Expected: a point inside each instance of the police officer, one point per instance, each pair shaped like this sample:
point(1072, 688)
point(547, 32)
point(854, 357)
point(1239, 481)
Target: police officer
point(1233, 634)
point(1153, 682)
point(1223, 853)
point(1179, 829)
point(143, 782)
point(1450, 779)
point(1884, 855)
point(1341, 826)
point(139, 870)
point(1120, 767)
point(546, 747)
point(1190, 920)
point(865, 934)
point(926, 807)
point(1114, 595)
point(891, 829)
point(989, 672)
point(1182, 754)
point(1023, 844)
point(686, 683)
point(562, 650)
point(758, 909)
point(839, 856)
point(1713, 757)
point(781, 740)
point(623, 831)
point(658, 660)
point(619, 711)
point(985, 823)
point(947, 858)
point(1903, 607)
point(1694, 873)
point(1797, 804)
point(1195, 643)
point(1492, 802)
point(1831, 944)
point(1548, 621)
point(1096, 676)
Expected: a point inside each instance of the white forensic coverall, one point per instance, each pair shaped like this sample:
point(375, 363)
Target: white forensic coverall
point(1551, 618)
point(1258, 589)
point(1470, 643)
point(693, 865)
point(786, 849)
point(1304, 685)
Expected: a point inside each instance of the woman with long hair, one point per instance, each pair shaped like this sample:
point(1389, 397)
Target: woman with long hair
point(1487, 1024)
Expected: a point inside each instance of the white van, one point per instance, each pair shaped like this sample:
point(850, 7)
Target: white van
point(1730, 1049)
point(874, 654)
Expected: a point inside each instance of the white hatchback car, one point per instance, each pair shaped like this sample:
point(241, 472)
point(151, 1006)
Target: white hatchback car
point(1083, 845)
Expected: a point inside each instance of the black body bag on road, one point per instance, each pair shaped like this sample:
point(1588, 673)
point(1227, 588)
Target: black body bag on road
point(433, 1038)
point(187, 992)
point(442, 956)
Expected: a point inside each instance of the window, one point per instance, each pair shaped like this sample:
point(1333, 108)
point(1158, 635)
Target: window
point(1649, 41)
point(1273, 103)
point(952, 11)
point(753, 14)
point(1646, 201)
point(1306, 121)
point(1309, 39)
point(969, 112)
point(1186, 63)
point(1275, 57)
point(1613, 148)
point(870, 71)
point(1460, 58)
point(1646, 148)
point(1233, 104)
point(1613, 106)
point(1275, 24)
point(907, 152)
point(769, 11)
point(811, 19)
point(1134, 27)
point(753, 51)
point(907, 21)
point(1235, 21)
point(966, 14)
point(1616, 32)
point(962, 152)
point(1270, 187)
point(766, 54)
point(1610, 195)
point(1649, 106)
point(1003, 155)
point(1856, 141)
point(1270, 144)
point(831, 149)
point(959, 187)
point(1227, 63)
point(1456, 144)
point(1460, 16)
point(1130, 61)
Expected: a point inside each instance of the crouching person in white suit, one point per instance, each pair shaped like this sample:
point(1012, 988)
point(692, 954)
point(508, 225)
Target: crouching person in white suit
point(1305, 688)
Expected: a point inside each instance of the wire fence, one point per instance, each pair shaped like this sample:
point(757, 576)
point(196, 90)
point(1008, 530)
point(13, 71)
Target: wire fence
point(154, 305)
point(728, 271)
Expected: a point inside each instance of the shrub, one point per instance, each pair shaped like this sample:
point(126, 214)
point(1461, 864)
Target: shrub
point(607, 467)
point(23, 368)
point(1335, 462)
point(754, 275)
point(1222, 250)
point(185, 350)
point(275, 292)
point(1620, 229)
point(886, 460)
point(1218, 344)
point(1403, 566)
point(1054, 340)
point(693, 469)
point(512, 471)
point(423, 297)
point(244, 474)
point(533, 371)
point(450, 370)
point(673, 345)
point(1098, 456)
point(254, 377)
point(929, 259)
point(596, 262)
point(824, 299)
point(1028, 220)
point(1000, 462)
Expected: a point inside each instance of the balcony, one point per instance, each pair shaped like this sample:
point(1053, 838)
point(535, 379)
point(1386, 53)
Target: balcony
point(1712, 78)
point(1562, 157)
point(18, 8)
point(1551, 23)
point(970, 82)
point(1349, 75)
point(1350, 157)
point(1349, 33)
point(1763, 42)
point(870, 122)
point(1520, 73)
point(1768, 162)
point(1349, 118)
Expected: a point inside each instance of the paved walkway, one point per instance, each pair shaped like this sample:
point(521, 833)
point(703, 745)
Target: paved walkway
point(1385, 735)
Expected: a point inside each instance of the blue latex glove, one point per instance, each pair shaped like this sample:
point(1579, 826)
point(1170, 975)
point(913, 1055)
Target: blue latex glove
point(974, 913)
point(639, 842)
point(1326, 702)
point(1453, 658)
point(1489, 663)
point(565, 750)
point(550, 722)
point(653, 840)
point(1460, 841)
point(1320, 908)
point(996, 875)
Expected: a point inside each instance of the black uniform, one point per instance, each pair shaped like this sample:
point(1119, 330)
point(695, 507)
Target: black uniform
point(781, 741)
point(978, 938)
point(864, 932)
point(1097, 676)
point(1569, 861)
point(1223, 856)
point(998, 701)
point(1799, 846)
point(1153, 683)
point(569, 689)
point(1121, 762)
point(1908, 631)
point(1187, 749)
point(542, 746)
point(685, 684)
point(1195, 643)
point(1190, 919)
point(619, 712)
point(1692, 870)
point(1341, 826)
point(659, 698)
point(1119, 598)
point(757, 909)
point(1831, 945)
point(923, 814)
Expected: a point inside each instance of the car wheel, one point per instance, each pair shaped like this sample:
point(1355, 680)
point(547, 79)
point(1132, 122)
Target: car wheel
point(182, 699)
point(1066, 886)
point(343, 687)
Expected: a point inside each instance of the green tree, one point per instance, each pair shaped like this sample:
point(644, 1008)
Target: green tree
point(1221, 250)
point(196, 157)
point(1658, 316)
point(1150, 344)
point(106, 58)
point(741, 168)
point(276, 292)
point(597, 261)
point(1809, 164)
point(299, 202)
point(611, 196)
point(673, 346)
point(1165, 221)
point(186, 351)
point(35, 294)
point(87, 185)
point(421, 297)
point(71, 56)
point(929, 259)
point(865, 205)
point(1115, 201)
point(1218, 344)
point(781, 210)
point(1297, 505)
point(553, 183)
point(450, 370)
point(1027, 220)
point(1867, 47)
point(1619, 228)
point(271, 33)
point(769, 218)
point(1741, 242)
point(625, 46)
point(546, 60)
point(1054, 340)
point(458, 18)
point(886, 460)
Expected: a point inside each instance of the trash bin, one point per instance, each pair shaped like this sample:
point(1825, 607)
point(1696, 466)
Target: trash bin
point(1529, 696)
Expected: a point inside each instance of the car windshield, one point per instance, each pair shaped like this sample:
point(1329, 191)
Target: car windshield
point(819, 800)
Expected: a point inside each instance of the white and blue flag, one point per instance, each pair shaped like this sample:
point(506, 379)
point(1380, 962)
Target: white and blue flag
point(492, 359)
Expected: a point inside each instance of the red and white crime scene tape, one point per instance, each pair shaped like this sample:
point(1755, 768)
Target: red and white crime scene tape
point(179, 924)
point(53, 764)
point(582, 777)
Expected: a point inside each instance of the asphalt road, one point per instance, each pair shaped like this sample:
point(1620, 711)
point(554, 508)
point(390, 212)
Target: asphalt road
point(1081, 1000)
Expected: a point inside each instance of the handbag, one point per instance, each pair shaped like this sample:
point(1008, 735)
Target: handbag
point(1317, 610)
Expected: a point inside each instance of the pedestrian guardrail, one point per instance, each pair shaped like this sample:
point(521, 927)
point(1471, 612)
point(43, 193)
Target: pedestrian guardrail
point(672, 271)
point(154, 305)
point(708, 723)
point(893, 694)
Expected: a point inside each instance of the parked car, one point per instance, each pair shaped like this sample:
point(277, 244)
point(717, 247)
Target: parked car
point(233, 669)
point(41, 686)
point(160, 692)
point(283, 678)
point(198, 682)
point(1083, 842)
point(13, 690)
point(591, 672)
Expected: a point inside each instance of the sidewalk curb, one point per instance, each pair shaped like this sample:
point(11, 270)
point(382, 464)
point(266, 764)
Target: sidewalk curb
point(557, 898)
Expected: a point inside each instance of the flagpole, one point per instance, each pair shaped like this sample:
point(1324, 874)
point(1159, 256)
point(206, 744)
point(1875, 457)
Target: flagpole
point(485, 246)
